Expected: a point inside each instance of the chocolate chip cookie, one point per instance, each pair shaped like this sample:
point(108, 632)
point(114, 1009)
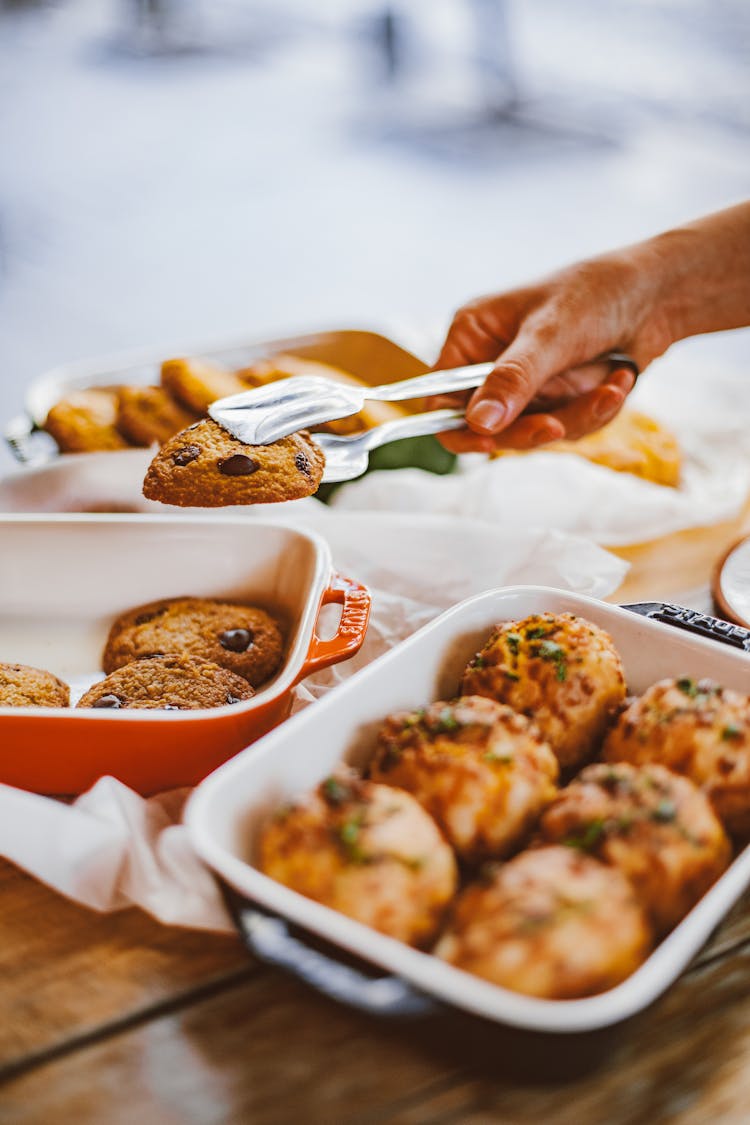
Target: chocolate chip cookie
point(23, 686)
point(148, 415)
point(241, 638)
point(85, 422)
point(205, 467)
point(168, 683)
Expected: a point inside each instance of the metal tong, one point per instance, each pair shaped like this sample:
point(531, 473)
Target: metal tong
point(265, 414)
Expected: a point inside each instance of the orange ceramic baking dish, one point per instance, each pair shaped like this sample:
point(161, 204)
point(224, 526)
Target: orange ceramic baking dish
point(64, 578)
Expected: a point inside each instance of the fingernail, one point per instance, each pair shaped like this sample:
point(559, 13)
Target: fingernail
point(487, 415)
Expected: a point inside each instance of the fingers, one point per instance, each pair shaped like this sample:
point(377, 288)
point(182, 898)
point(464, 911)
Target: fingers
point(469, 340)
point(588, 413)
point(527, 433)
point(532, 358)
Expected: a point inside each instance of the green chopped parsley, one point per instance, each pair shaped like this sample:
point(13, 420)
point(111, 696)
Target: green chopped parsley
point(478, 661)
point(731, 731)
point(536, 633)
point(552, 651)
point(335, 792)
point(348, 834)
point(447, 721)
point(589, 838)
point(513, 640)
point(505, 759)
point(665, 812)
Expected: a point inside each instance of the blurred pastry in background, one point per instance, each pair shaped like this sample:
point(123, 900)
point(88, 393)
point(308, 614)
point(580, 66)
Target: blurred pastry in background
point(286, 366)
point(86, 422)
point(631, 443)
point(149, 415)
point(195, 384)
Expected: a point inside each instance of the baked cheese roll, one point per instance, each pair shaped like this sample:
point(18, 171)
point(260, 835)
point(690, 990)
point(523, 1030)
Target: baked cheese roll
point(478, 767)
point(696, 728)
point(367, 850)
point(656, 827)
point(552, 923)
point(559, 670)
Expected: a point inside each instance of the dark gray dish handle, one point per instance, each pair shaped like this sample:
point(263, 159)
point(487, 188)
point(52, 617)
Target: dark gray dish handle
point(700, 624)
point(28, 444)
point(268, 937)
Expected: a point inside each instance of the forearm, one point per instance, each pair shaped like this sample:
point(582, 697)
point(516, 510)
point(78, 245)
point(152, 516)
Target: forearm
point(703, 272)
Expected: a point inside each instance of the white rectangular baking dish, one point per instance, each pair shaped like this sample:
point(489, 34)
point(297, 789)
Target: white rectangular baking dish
point(63, 580)
point(225, 812)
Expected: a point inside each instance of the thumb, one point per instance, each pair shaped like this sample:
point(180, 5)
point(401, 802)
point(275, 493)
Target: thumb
point(520, 371)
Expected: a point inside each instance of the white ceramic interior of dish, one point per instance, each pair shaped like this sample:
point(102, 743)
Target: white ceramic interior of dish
point(64, 578)
point(228, 808)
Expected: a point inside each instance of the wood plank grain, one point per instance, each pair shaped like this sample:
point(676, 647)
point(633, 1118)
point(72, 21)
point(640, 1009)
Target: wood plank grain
point(67, 972)
point(268, 1050)
point(681, 561)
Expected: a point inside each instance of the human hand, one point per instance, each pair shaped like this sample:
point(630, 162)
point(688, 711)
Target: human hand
point(544, 337)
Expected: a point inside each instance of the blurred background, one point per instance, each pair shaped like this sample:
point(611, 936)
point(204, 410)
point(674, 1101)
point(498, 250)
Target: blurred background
point(183, 171)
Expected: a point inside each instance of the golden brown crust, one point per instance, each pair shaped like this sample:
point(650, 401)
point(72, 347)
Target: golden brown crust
point(148, 415)
point(24, 686)
point(85, 422)
point(551, 923)
point(176, 683)
point(696, 728)
point(561, 671)
point(367, 850)
point(204, 466)
point(480, 769)
point(196, 384)
point(657, 828)
point(242, 638)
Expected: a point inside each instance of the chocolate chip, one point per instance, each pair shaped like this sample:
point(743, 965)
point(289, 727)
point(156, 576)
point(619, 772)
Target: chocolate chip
point(171, 707)
point(233, 699)
point(301, 462)
point(185, 454)
point(236, 640)
point(112, 701)
point(239, 465)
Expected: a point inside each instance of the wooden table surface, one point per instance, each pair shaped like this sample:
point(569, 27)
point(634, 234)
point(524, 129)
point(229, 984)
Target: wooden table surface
point(115, 1018)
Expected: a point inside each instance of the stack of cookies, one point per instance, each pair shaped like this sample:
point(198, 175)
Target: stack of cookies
point(172, 655)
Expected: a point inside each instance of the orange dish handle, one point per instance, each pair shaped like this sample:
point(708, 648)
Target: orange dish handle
point(355, 600)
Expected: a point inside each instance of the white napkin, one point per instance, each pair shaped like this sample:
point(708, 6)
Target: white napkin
point(112, 848)
point(707, 407)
